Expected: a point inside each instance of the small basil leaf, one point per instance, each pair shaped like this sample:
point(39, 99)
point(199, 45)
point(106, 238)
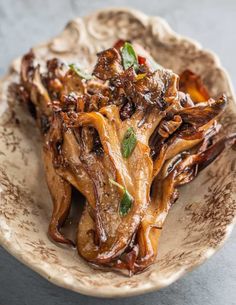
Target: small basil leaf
point(127, 199)
point(128, 143)
point(80, 72)
point(126, 203)
point(129, 57)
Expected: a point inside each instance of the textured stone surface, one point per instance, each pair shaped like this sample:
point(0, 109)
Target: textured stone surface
point(25, 23)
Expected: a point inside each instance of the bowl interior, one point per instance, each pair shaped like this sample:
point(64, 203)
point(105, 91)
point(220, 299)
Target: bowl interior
point(197, 224)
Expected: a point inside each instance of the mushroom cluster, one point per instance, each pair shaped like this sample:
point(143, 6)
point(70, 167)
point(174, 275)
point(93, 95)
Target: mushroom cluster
point(126, 137)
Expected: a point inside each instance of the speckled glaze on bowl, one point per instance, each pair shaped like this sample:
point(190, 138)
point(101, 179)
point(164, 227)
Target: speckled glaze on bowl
point(198, 223)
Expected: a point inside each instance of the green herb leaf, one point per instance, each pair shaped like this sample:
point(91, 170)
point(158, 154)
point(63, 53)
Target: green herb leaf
point(128, 143)
point(129, 56)
point(80, 72)
point(126, 201)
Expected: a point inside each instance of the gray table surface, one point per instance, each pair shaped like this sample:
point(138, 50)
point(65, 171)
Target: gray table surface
point(24, 23)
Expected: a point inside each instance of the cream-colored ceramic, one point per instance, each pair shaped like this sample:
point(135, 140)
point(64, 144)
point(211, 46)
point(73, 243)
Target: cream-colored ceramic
point(198, 223)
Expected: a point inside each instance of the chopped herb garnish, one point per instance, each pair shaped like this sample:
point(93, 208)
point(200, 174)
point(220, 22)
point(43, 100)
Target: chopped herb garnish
point(116, 184)
point(129, 57)
point(128, 143)
point(126, 201)
point(80, 72)
point(140, 76)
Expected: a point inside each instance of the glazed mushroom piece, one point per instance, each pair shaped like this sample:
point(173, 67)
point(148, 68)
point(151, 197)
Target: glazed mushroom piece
point(126, 138)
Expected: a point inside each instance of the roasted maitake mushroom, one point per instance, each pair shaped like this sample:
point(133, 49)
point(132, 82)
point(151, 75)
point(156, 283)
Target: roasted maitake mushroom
point(126, 138)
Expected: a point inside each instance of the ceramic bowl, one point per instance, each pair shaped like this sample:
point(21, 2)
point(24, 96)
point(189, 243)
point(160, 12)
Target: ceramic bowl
point(199, 222)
